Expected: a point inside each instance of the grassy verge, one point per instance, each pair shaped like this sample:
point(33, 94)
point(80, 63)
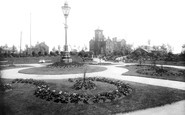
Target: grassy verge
point(133, 72)
point(28, 60)
point(12, 67)
point(59, 71)
point(22, 101)
point(176, 63)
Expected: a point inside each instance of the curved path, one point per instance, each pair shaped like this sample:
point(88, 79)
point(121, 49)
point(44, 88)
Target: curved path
point(111, 72)
point(115, 72)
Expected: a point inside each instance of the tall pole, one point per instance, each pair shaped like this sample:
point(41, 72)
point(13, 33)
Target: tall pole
point(30, 29)
point(20, 41)
point(66, 47)
point(66, 57)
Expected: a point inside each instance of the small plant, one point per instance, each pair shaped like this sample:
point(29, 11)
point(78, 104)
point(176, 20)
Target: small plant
point(83, 83)
point(85, 71)
point(70, 80)
point(7, 87)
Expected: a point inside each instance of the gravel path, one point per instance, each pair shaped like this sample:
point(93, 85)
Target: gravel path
point(112, 71)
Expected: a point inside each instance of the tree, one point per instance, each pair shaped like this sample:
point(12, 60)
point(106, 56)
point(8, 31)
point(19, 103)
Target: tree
point(59, 48)
point(27, 49)
point(84, 48)
point(170, 57)
point(33, 53)
point(128, 49)
point(51, 53)
point(45, 53)
point(182, 55)
point(139, 54)
point(156, 48)
point(81, 53)
point(149, 42)
point(5, 46)
point(169, 48)
point(54, 49)
point(14, 49)
point(161, 52)
point(183, 48)
point(57, 52)
point(163, 48)
point(40, 48)
point(121, 48)
point(40, 53)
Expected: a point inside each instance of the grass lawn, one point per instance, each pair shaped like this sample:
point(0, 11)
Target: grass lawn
point(65, 85)
point(176, 63)
point(59, 71)
point(104, 63)
point(12, 67)
point(133, 72)
point(28, 60)
point(21, 101)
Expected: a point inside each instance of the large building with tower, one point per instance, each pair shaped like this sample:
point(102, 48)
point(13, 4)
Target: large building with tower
point(99, 45)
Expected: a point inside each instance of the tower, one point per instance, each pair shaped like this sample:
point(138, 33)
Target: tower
point(98, 35)
point(99, 42)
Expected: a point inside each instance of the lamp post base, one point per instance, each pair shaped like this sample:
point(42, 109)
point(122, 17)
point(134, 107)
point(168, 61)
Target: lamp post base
point(66, 58)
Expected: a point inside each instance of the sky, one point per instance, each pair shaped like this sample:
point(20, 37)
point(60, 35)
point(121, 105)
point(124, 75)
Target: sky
point(136, 21)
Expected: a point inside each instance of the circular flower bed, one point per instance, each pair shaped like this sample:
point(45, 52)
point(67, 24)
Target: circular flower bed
point(66, 65)
point(43, 91)
point(159, 71)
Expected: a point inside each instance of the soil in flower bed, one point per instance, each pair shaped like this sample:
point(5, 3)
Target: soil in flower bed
point(155, 72)
point(66, 86)
point(83, 84)
point(59, 71)
point(21, 101)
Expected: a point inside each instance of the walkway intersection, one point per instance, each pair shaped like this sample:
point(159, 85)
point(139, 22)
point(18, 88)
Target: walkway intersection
point(116, 73)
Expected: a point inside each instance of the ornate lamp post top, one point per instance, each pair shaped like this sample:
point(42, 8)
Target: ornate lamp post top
point(66, 9)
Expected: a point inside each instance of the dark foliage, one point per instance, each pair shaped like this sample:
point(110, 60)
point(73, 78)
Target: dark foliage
point(43, 91)
point(66, 65)
point(87, 85)
point(159, 71)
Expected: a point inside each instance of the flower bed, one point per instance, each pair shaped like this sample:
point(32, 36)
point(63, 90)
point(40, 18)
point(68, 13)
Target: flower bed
point(160, 71)
point(43, 91)
point(7, 87)
point(66, 65)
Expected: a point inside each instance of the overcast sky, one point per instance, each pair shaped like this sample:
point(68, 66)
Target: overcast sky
point(137, 21)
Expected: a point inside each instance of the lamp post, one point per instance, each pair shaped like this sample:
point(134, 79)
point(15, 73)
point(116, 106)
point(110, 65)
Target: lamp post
point(66, 56)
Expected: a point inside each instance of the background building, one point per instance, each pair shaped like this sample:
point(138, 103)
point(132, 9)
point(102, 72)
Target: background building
point(99, 45)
